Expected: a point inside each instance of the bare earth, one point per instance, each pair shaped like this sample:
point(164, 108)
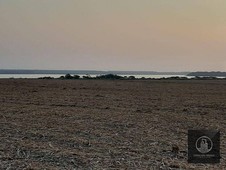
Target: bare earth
point(106, 124)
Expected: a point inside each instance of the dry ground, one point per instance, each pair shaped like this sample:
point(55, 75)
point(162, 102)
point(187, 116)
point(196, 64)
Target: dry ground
point(103, 124)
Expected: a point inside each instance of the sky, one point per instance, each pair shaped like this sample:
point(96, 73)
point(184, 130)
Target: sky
point(145, 35)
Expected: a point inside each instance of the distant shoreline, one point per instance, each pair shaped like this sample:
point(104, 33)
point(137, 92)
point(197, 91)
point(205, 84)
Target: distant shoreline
point(208, 74)
point(108, 77)
point(27, 71)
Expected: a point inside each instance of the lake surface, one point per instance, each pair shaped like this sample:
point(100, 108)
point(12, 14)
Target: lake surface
point(92, 75)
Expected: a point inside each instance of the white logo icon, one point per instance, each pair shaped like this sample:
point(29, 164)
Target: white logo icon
point(204, 144)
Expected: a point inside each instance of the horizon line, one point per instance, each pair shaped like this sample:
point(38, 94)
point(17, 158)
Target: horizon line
point(14, 69)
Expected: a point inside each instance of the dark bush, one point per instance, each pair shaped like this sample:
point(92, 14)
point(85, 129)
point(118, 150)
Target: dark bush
point(143, 78)
point(68, 76)
point(76, 77)
point(46, 78)
point(109, 76)
point(87, 77)
point(131, 77)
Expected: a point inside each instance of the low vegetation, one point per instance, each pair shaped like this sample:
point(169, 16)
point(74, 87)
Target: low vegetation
point(118, 77)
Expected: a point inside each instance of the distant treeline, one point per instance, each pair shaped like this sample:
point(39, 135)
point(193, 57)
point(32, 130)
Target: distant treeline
point(117, 77)
point(208, 74)
point(106, 76)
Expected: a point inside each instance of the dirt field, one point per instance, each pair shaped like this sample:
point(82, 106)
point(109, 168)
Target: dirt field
point(106, 124)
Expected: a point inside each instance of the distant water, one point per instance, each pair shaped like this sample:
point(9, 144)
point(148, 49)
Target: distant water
point(29, 76)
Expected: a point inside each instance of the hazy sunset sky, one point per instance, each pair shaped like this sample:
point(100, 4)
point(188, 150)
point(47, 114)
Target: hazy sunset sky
point(152, 35)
